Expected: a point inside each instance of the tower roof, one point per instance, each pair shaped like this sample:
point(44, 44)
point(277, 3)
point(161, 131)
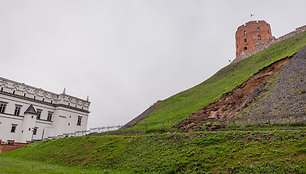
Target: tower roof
point(31, 110)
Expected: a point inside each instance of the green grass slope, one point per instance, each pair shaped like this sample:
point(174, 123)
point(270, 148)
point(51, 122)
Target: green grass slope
point(210, 152)
point(173, 109)
point(11, 165)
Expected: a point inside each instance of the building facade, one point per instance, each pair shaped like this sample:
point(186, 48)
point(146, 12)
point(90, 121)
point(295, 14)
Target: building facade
point(251, 34)
point(28, 113)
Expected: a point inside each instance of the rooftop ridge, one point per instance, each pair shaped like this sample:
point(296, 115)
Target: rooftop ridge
point(40, 89)
point(17, 89)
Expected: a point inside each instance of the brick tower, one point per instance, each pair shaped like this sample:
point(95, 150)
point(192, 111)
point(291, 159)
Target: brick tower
point(251, 34)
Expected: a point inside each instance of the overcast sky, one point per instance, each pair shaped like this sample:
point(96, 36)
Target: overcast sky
point(127, 54)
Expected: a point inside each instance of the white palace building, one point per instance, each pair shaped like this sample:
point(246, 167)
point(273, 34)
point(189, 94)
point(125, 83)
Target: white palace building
point(28, 113)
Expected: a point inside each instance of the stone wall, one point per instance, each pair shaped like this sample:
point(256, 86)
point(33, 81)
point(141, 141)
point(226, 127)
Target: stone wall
point(270, 42)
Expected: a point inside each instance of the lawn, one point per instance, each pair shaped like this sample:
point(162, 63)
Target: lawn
point(11, 165)
point(212, 152)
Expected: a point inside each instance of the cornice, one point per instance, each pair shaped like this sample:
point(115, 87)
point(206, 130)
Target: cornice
point(42, 102)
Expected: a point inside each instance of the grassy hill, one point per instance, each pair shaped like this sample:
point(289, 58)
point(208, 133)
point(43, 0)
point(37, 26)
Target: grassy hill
point(212, 152)
point(178, 107)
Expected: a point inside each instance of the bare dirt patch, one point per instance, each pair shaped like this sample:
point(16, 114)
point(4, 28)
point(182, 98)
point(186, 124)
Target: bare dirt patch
point(231, 103)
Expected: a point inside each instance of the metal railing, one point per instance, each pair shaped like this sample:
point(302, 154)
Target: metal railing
point(86, 132)
point(271, 119)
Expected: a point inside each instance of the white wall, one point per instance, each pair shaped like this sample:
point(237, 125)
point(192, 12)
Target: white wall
point(58, 125)
point(65, 121)
point(6, 125)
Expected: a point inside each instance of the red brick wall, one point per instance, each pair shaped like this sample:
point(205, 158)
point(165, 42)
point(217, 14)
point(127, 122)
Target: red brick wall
point(267, 43)
point(247, 36)
point(6, 148)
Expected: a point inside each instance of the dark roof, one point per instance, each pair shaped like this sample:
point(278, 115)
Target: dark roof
point(31, 110)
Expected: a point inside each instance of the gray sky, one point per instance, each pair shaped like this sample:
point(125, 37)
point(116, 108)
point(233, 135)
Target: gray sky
point(127, 54)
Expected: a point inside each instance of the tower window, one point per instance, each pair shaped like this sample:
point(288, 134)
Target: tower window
point(35, 130)
point(259, 37)
point(258, 29)
point(245, 41)
point(244, 32)
point(245, 48)
point(79, 120)
point(257, 43)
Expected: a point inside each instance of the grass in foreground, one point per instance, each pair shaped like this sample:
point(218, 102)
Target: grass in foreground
point(183, 104)
point(210, 152)
point(11, 165)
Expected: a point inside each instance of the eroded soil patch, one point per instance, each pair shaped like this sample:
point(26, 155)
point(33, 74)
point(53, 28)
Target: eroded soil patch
point(233, 102)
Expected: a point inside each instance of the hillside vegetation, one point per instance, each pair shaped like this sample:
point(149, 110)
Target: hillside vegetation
point(178, 107)
point(11, 165)
point(212, 152)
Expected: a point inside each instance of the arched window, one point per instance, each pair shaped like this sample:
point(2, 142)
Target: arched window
point(245, 41)
point(245, 48)
point(258, 29)
point(259, 38)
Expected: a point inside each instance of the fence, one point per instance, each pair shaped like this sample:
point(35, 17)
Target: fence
point(86, 132)
point(271, 119)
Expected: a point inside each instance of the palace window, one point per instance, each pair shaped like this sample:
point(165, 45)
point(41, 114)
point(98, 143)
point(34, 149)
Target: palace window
point(35, 130)
point(79, 120)
point(49, 116)
point(17, 110)
point(259, 37)
point(13, 129)
point(258, 29)
point(38, 113)
point(2, 107)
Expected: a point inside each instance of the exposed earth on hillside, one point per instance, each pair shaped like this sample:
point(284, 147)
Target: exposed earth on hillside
point(234, 102)
point(283, 97)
